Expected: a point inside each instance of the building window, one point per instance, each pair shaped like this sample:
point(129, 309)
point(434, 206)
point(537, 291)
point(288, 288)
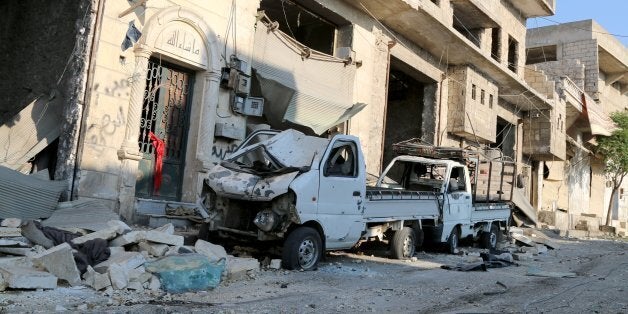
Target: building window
point(513, 54)
point(482, 97)
point(490, 101)
point(473, 91)
point(541, 54)
point(311, 25)
point(496, 43)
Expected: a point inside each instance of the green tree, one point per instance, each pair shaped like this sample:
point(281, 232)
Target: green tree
point(614, 148)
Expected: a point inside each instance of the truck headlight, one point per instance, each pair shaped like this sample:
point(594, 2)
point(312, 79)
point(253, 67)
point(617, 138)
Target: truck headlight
point(266, 220)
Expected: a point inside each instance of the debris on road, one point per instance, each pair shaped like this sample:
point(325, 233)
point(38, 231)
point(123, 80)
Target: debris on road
point(535, 271)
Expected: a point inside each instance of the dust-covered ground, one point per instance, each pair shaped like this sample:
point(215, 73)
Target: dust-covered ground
point(351, 283)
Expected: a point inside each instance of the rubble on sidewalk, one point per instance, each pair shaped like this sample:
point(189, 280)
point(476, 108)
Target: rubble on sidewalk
point(136, 259)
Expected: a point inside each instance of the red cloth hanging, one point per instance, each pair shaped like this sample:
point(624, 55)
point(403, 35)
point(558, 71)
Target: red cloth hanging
point(159, 156)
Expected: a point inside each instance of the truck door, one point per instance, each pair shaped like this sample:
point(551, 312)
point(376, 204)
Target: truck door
point(458, 197)
point(341, 193)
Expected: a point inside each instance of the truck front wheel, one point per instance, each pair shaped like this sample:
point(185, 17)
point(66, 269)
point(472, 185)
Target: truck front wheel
point(302, 249)
point(403, 244)
point(454, 238)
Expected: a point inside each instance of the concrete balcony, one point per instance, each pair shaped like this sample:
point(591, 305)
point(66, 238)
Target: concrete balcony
point(430, 27)
point(535, 8)
point(544, 134)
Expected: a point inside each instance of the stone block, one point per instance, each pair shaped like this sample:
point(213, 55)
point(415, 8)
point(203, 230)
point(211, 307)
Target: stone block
point(212, 251)
point(115, 227)
point(239, 266)
point(11, 222)
point(119, 276)
point(154, 283)
point(132, 237)
point(96, 280)
point(167, 228)
point(522, 256)
point(577, 234)
point(127, 260)
point(27, 278)
point(59, 261)
point(275, 264)
point(116, 250)
point(3, 283)
point(541, 249)
point(162, 237)
point(187, 272)
point(10, 232)
point(154, 249)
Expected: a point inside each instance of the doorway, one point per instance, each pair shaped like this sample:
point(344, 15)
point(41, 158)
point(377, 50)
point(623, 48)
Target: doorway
point(165, 113)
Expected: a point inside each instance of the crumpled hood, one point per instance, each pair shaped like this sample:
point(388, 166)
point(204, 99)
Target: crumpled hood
point(247, 186)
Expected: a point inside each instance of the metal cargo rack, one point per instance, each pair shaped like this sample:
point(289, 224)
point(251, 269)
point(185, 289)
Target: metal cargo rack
point(492, 180)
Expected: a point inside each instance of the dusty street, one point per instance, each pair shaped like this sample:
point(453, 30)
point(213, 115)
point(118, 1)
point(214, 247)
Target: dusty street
point(351, 283)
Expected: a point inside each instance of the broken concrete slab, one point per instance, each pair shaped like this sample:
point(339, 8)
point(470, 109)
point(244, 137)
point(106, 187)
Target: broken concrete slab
point(96, 280)
point(522, 239)
point(129, 238)
point(275, 264)
point(17, 277)
point(21, 251)
point(127, 260)
point(119, 276)
point(522, 256)
point(116, 250)
point(13, 243)
point(115, 228)
point(239, 266)
point(162, 237)
point(167, 228)
point(154, 283)
point(213, 252)
point(59, 261)
point(540, 237)
point(11, 222)
point(535, 271)
point(154, 249)
point(6, 232)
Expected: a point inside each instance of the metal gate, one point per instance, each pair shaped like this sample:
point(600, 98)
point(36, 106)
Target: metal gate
point(165, 113)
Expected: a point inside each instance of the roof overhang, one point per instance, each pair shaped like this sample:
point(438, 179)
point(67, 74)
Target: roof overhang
point(535, 8)
point(423, 26)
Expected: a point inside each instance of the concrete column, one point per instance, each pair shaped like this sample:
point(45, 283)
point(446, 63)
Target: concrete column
point(129, 151)
point(211, 85)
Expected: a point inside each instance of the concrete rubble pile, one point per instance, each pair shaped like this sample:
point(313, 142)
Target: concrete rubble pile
point(140, 260)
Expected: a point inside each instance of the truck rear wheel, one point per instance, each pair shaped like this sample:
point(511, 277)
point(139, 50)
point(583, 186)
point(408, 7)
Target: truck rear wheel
point(489, 239)
point(302, 249)
point(403, 244)
point(454, 238)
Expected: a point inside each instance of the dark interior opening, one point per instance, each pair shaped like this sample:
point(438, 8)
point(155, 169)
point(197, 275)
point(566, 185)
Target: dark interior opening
point(505, 138)
point(404, 109)
point(513, 57)
point(496, 43)
point(302, 24)
point(541, 54)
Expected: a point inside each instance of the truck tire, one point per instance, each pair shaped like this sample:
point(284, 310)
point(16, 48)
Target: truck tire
point(454, 239)
point(402, 245)
point(302, 249)
point(488, 240)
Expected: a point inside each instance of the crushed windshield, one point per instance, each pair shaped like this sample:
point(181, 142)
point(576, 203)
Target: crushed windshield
point(257, 160)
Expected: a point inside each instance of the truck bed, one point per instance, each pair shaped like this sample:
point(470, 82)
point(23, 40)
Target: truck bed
point(387, 204)
point(490, 211)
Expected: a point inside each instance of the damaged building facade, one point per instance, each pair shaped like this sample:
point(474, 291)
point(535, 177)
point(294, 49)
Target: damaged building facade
point(179, 84)
point(590, 70)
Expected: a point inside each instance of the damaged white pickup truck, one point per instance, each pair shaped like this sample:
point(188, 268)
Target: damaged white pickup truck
point(310, 195)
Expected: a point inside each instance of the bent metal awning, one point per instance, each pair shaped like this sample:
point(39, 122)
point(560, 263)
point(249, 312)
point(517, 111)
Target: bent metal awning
point(300, 85)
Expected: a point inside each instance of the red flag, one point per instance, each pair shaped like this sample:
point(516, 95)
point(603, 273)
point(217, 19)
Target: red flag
point(159, 156)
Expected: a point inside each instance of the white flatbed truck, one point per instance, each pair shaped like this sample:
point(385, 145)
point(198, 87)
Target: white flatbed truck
point(310, 195)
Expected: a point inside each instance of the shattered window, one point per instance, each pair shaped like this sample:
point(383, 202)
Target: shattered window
point(257, 160)
point(415, 176)
point(342, 161)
